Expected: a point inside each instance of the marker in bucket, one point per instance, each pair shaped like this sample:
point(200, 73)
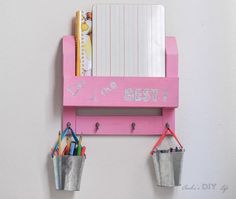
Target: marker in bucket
point(83, 151)
point(79, 146)
point(72, 147)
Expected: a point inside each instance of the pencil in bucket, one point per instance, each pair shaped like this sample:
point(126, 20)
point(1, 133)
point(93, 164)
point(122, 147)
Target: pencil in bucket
point(68, 163)
point(168, 162)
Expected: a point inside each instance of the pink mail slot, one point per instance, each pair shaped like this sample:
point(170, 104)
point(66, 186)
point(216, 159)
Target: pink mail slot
point(126, 92)
point(121, 91)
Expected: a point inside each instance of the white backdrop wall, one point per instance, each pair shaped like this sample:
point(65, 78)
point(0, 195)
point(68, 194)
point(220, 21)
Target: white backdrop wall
point(117, 167)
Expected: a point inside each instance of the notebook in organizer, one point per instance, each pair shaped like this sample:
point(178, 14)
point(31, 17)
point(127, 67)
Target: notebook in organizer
point(128, 40)
point(84, 53)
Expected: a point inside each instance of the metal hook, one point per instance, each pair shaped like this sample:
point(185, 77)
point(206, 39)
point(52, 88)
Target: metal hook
point(167, 125)
point(68, 124)
point(97, 126)
point(133, 126)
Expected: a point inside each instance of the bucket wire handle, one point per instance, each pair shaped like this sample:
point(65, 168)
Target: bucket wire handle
point(159, 141)
point(177, 140)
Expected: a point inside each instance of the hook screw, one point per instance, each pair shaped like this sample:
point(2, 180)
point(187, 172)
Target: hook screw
point(167, 125)
point(133, 126)
point(68, 124)
point(97, 126)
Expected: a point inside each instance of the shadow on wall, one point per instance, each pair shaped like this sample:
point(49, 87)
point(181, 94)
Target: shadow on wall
point(58, 78)
point(57, 83)
point(161, 192)
point(52, 190)
point(57, 112)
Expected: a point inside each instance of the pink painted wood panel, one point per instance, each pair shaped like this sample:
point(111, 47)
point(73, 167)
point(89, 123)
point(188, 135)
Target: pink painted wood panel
point(171, 57)
point(119, 125)
point(69, 115)
point(168, 115)
point(121, 92)
point(122, 125)
point(68, 51)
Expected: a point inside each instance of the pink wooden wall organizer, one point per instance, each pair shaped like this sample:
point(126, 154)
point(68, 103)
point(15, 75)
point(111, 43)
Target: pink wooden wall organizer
point(119, 92)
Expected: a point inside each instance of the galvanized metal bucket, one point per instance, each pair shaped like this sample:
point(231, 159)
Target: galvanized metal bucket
point(168, 163)
point(168, 167)
point(68, 171)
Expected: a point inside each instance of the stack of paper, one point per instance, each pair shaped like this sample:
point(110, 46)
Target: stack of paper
point(128, 40)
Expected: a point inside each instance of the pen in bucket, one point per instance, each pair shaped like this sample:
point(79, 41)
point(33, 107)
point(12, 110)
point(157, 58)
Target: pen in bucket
point(83, 151)
point(79, 146)
point(75, 151)
point(72, 147)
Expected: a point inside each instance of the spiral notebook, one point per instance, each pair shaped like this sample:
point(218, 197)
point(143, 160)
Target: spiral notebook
point(128, 40)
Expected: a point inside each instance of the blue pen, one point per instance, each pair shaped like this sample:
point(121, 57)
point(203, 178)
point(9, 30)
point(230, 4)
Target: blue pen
point(72, 148)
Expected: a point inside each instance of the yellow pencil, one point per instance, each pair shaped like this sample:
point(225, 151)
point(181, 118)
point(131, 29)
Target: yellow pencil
point(77, 41)
point(59, 143)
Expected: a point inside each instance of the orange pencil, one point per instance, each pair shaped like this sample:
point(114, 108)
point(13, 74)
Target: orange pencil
point(67, 147)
